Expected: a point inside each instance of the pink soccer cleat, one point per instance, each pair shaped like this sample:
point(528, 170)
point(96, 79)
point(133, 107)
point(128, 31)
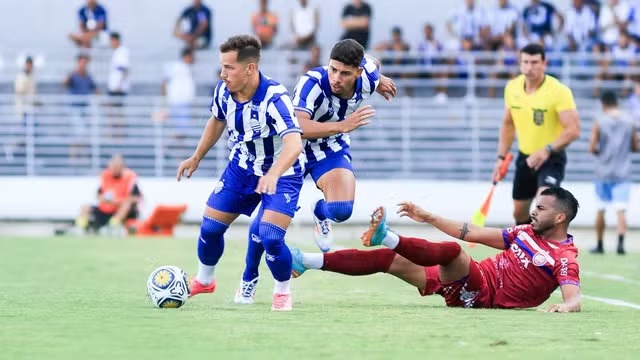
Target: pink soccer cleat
point(282, 302)
point(195, 287)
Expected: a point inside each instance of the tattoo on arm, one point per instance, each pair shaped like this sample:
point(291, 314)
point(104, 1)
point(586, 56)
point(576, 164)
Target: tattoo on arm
point(464, 230)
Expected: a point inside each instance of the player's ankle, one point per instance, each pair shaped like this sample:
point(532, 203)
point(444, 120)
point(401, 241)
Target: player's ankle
point(391, 240)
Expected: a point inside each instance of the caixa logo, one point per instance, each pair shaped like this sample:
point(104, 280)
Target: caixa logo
point(520, 255)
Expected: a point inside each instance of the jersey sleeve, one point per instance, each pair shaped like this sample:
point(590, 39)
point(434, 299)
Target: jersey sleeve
point(306, 94)
point(566, 270)
point(509, 234)
point(507, 91)
point(370, 76)
point(216, 103)
point(280, 112)
point(564, 99)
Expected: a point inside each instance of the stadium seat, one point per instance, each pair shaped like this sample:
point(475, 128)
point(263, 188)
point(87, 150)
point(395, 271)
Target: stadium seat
point(161, 222)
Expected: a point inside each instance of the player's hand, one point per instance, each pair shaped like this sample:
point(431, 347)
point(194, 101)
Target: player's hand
point(387, 88)
point(414, 212)
point(267, 184)
point(559, 308)
point(187, 168)
point(357, 119)
point(537, 159)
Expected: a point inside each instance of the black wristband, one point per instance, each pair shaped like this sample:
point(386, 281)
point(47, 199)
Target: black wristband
point(501, 157)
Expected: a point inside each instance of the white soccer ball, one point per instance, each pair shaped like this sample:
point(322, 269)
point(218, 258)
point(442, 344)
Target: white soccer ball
point(168, 287)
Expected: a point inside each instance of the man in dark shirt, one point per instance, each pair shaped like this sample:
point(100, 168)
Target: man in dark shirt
point(355, 21)
point(194, 26)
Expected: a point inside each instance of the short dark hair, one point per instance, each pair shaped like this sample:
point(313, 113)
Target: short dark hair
point(247, 46)
point(115, 36)
point(565, 201)
point(609, 98)
point(348, 52)
point(186, 52)
point(533, 49)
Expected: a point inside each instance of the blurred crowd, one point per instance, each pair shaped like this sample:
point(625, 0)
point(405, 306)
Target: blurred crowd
point(486, 37)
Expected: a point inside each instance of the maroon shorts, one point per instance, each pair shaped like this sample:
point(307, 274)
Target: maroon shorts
point(469, 292)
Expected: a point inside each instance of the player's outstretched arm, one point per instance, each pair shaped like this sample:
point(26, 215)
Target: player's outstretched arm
point(317, 130)
point(570, 300)
point(464, 231)
point(210, 137)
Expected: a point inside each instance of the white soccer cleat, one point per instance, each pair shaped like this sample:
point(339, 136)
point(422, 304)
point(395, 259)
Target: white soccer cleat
point(322, 230)
point(246, 292)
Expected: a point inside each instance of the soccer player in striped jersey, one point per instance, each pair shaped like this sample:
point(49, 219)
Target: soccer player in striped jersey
point(266, 166)
point(327, 104)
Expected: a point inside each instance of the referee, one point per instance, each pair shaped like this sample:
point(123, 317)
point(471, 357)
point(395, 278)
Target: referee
point(540, 110)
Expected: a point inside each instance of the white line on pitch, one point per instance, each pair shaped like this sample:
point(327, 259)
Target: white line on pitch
point(612, 277)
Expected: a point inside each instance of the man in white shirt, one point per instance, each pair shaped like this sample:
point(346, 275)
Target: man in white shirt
point(118, 83)
point(179, 88)
point(304, 24)
point(467, 21)
point(581, 24)
point(614, 17)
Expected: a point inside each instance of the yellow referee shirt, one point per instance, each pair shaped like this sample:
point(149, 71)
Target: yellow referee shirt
point(535, 115)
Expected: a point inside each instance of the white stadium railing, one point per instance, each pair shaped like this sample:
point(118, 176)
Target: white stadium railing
point(410, 138)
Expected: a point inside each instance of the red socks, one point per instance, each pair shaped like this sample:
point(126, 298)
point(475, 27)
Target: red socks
point(426, 253)
point(358, 262)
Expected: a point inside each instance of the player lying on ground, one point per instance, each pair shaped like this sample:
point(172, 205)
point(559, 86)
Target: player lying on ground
point(536, 258)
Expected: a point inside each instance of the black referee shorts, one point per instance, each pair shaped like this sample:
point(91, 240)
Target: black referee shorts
point(527, 181)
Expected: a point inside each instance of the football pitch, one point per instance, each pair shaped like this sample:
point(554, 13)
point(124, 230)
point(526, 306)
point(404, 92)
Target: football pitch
point(85, 298)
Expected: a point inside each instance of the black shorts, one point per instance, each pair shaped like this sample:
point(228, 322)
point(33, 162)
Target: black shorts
point(99, 219)
point(527, 181)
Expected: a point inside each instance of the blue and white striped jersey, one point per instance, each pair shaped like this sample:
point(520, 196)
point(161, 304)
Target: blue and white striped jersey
point(256, 127)
point(313, 95)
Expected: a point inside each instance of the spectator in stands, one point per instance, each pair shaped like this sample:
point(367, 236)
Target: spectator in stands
point(467, 22)
point(614, 18)
point(430, 54)
point(118, 83)
point(314, 60)
point(179, 89)
point(194, 26)
point(395, 48)
point(80, 84)
point(503, 19)
point(265, 24)
point(622, 56)
point(356, 20)
point(305, 20)
point(118, 199)
point(634, 23)
point(613, 138)
point(634, 103)
point(93, 25)
point(25, 90)
point(506, 64)
point(538, 22)
point(581, 25)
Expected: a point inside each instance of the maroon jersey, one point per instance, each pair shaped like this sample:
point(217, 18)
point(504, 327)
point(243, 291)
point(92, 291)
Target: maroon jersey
point(529, 269)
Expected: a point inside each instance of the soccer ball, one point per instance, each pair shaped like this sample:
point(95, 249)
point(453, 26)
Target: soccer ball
point(168, 287)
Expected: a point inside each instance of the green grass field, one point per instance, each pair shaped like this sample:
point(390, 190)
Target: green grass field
point(85, 298)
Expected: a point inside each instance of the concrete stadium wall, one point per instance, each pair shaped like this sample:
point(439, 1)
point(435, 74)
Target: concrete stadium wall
point(59, 198)
point(44, 24)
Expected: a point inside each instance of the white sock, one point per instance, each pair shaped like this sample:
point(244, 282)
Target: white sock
point(206, 273)
point(282, 287)
point(391, 240)
point(313, 261)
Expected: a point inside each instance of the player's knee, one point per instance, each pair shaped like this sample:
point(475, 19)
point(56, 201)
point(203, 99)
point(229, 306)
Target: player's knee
point(212, 229)
point(272, 237)
point(340, 210)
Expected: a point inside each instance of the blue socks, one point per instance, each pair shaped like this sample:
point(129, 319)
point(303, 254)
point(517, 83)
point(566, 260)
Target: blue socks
point(337, 211)
point(278, 254)
point(211, 241)
point(254, 249)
